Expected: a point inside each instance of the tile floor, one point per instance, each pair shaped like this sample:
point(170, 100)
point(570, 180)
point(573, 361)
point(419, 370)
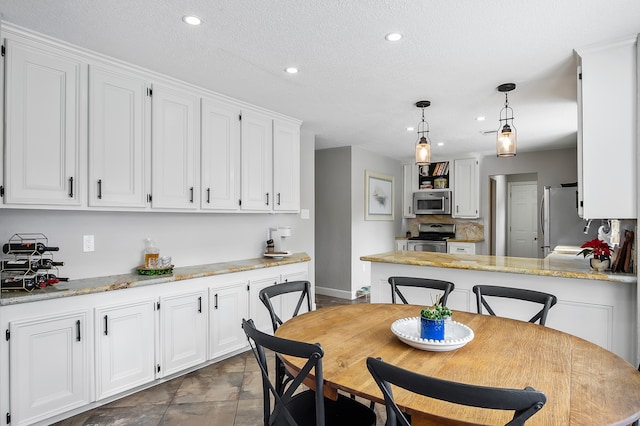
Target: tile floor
point(226, 393)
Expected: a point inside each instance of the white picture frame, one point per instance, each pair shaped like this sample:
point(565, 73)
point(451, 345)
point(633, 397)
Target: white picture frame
point(379, 196)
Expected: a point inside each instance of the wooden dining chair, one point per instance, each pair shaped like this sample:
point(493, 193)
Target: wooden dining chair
point(545, 299)
point(445, 286)
point(302, 407)
point(524, 402)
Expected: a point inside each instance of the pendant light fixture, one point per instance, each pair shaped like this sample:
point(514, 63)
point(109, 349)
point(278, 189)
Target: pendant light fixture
point(423, 146)
point(506, 141)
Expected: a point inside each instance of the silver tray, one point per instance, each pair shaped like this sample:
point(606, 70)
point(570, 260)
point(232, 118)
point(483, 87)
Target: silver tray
point(456, 335)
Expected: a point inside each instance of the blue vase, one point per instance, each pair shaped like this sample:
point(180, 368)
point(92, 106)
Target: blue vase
point(431, 329)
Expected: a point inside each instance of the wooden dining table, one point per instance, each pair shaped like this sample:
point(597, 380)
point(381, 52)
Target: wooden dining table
point(584, 383)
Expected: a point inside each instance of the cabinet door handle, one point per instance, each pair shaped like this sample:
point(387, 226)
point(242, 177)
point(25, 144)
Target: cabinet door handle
point(106, 326)
point(99, 189)
point(78, 337)
point(200, 304)
point(215, 297)
point(191, 196)
point(208, 195)
point(71, 187)
point(278, 198)
point(267, 198)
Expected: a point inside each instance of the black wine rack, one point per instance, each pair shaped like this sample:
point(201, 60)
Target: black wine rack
point(28, 263)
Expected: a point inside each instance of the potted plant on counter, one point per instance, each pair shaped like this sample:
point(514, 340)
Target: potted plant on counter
point(432, 320)
point(601, 253)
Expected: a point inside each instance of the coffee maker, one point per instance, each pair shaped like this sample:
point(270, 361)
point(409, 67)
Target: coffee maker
point(279, 235)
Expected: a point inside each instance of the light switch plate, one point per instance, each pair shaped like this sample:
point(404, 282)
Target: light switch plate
point(304, 213)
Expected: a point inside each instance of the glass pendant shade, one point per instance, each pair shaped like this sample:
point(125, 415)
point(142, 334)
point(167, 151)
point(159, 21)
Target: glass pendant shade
point(506, 142)
point(423, 152)
point(423, 146)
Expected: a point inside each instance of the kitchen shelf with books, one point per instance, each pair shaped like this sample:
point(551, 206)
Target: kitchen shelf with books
point(434, 177)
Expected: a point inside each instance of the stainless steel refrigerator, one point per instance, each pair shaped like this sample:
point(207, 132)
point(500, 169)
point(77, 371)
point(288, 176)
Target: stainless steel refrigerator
point(560, 223)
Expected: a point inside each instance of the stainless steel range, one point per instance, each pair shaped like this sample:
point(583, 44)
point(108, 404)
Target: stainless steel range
point(432, 237)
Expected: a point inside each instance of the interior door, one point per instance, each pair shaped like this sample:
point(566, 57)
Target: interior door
point(523, 219)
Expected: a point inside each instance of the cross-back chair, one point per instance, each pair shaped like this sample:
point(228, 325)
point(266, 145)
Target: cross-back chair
point(545, 299)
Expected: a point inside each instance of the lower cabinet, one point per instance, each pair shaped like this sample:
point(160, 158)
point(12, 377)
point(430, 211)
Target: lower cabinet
point(61, 359)
point(125, 346)
point(228, 305)
point(461, 248)
point(183, 331)
point(49, 370)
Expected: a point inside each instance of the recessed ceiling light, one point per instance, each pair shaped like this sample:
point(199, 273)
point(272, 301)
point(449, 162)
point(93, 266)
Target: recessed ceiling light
point(291, 70)
point(440, 143)
point(480, 118)
point(410, 129)
point(393, 37)
point(191, 20)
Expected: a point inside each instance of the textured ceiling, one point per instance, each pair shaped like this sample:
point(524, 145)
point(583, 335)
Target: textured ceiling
point(355, 88)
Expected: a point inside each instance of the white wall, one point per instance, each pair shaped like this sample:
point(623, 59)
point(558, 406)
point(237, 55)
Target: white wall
point(190, 239)
point(371, 236)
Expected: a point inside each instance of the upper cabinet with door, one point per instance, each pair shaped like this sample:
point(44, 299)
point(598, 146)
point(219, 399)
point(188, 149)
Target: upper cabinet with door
point(410, 185)
point(220, 155)
point(257, 162)
point(45, 116)
point(175, 135)
point(286, 166)
point(119, 136)
point(466, 189)
point(608, 130)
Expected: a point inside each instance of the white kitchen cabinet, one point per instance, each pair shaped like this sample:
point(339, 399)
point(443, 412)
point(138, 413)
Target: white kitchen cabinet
point(466, 189)
point(286, 166)
point(257, 162)
point(409, 186)
point(607, 130)
point(119, 132)
point(175, 149)
point(257, 311)
point(228, 306)
point(45, 96)
point(125, 336)
point(461, 248)
point(50, 366)
point(220, 150)
point(183, 331)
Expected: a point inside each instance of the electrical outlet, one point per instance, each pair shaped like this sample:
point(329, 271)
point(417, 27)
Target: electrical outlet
point(88, 243)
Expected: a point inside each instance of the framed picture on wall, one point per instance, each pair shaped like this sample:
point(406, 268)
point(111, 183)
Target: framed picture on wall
point(378, 203)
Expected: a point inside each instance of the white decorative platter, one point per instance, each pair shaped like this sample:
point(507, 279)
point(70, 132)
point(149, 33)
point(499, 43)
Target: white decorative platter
point(278, 255)
point(456, 335)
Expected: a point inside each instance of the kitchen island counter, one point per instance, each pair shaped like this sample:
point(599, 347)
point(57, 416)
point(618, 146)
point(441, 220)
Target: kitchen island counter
point(594, 306)
point(560, 266)
point(124, 281)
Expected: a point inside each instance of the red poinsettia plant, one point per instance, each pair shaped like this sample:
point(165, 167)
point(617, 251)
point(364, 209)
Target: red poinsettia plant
point(598, 248)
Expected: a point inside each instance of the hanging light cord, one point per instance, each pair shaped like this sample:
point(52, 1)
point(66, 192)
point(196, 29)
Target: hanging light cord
point(506, 109)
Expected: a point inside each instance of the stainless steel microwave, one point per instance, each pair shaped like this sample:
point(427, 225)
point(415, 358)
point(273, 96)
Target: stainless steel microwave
point(432, 202)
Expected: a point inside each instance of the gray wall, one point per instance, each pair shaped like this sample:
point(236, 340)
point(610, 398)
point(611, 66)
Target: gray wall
point(552, 167)
point(333, 223)
point(342, 234)
point(189, 238)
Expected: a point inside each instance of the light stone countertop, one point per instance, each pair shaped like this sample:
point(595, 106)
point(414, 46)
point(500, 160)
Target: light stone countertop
point(563, 267)
point(118, 282)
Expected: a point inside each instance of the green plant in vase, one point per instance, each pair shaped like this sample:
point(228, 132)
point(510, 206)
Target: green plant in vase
point(432, 321)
